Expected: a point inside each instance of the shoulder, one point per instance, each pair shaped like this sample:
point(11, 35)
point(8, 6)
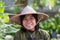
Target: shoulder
point(43, 31)
point(19, 32)
point(45, 34)
point(17, 35)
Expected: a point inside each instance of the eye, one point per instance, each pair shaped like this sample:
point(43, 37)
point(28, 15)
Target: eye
point(32, 17)
point(25, 19)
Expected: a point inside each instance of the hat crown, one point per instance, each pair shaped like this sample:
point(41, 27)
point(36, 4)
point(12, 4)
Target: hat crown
point(28, 10)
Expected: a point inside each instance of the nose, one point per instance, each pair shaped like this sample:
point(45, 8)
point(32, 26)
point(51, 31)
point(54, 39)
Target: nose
point(28, 20)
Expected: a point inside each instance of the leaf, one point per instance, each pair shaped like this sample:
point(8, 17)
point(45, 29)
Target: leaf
point(52, 3)
point(4, 18)
point(1, 7)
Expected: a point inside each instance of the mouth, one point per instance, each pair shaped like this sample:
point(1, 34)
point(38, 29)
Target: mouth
point(29, 25)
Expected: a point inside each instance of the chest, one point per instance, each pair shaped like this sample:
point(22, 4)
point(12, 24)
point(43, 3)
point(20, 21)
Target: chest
point(31, 36)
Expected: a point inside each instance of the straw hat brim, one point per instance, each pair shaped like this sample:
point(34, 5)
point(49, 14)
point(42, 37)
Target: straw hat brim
point(15, 19)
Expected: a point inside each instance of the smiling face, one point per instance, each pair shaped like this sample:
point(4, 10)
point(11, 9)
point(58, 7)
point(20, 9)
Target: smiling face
point(29, 22)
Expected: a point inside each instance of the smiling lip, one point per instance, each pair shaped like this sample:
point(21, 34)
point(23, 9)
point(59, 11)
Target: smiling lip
point(29, 25)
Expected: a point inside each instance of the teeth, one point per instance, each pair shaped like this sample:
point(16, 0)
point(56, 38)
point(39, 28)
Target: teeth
point(29, 25)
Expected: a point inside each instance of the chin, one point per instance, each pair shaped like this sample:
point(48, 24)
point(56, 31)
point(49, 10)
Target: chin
point(29, 28)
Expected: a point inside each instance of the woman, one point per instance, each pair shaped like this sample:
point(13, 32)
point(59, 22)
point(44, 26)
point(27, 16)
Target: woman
point(29, 20)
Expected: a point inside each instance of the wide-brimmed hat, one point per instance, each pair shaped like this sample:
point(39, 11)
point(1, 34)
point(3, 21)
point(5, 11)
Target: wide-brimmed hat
point(28, 10)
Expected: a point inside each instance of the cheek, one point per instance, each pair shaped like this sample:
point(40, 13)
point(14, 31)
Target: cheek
point(34, 22)
point(23, 23)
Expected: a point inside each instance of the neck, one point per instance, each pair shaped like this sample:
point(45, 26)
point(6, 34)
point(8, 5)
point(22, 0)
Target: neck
point(23, 29)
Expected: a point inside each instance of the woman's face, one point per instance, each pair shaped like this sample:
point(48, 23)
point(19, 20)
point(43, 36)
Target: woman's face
point(29, 22)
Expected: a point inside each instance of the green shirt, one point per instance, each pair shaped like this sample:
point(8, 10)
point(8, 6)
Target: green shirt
point(38, 35)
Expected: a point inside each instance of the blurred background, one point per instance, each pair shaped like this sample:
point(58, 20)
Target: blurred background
point(8, 8)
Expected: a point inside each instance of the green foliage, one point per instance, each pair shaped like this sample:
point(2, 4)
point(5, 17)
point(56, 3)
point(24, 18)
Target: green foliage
point(16, 10)
point(42, 2)
point(4, 18)
point(45, 3)
point(5, 27)
point(57, 2)
point(1, 7)
point(51, 25)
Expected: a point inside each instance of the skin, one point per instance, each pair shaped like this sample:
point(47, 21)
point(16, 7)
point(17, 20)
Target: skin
point(29, 22)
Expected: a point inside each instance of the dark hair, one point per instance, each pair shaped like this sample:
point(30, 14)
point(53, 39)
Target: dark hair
point(35, 16)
